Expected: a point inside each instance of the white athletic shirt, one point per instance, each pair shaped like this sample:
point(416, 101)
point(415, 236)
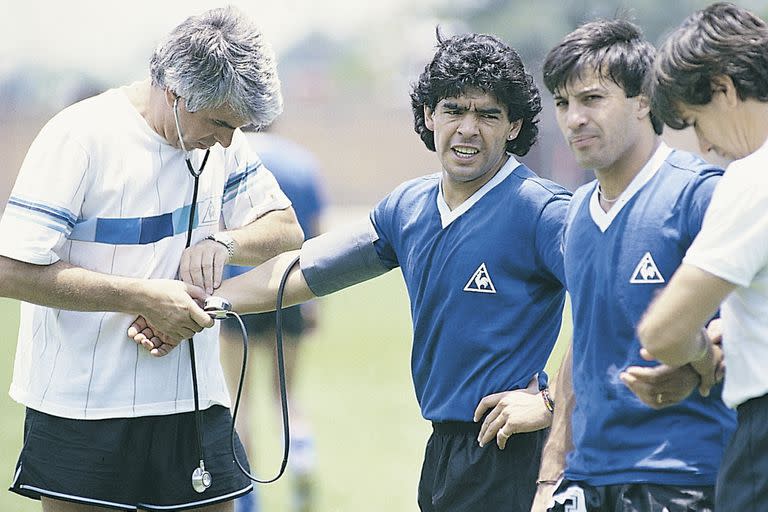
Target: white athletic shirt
point(101, 190)
point(733, 245)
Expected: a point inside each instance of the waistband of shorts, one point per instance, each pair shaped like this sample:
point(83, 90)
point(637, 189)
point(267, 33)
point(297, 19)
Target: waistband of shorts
point(456, 427)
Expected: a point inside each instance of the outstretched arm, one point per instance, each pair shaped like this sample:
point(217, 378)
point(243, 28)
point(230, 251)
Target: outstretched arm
point(255, 291)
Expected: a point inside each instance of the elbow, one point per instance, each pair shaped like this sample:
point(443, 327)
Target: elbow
point(296, 238)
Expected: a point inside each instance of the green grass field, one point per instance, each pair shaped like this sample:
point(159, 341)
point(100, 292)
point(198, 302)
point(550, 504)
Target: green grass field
point(354, 380)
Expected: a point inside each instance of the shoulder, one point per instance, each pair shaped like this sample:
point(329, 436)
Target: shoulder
point(533, 193)
point(535, 185)
point(415, 188)
point(691, 166)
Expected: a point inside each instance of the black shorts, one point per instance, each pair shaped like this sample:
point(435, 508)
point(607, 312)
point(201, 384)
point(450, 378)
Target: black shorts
point(129, 463)
point(458, 475)
point(261, 323)
point(637, 497)
point(742, 484)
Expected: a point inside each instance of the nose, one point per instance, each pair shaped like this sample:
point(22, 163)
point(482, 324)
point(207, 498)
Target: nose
point(574, 117)
point(224, 137)
point(468, 125)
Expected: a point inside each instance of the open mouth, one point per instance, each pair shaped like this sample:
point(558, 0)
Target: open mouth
point(465, 152)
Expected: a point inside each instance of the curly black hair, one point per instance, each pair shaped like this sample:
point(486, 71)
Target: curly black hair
point(484, 62)
point(722, 39)
point(613, 49)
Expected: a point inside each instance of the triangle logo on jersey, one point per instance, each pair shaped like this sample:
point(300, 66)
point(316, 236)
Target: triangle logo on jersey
point(646, 272)
point(210, 213)
point(480, 281)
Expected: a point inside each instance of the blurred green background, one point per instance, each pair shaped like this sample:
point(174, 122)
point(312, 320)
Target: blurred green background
point(355, 383)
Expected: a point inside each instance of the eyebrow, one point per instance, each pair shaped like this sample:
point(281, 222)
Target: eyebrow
point(225, 124)
point(455, 106)
point(578, 93)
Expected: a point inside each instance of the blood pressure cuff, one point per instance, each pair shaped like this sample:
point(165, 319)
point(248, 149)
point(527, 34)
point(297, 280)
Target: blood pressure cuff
point(341, 258)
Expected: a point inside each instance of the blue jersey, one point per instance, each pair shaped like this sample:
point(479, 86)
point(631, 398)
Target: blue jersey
point(613, 272)
point(484, 281)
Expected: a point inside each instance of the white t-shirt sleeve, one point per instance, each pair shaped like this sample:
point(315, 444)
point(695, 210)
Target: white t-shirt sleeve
point(732, 243)
point(250, 190)
point(47, 198)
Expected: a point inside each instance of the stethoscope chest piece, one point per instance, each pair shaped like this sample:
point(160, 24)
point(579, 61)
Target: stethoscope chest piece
point(201, 479)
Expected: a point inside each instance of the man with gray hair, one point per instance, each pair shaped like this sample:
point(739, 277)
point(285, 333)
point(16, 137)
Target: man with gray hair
point(153, 182)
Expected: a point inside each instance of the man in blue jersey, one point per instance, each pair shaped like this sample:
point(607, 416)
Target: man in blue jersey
point(479, 248)
point(625, 235)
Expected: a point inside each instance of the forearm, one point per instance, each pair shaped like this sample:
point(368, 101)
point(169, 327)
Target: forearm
point(670, 329)
point(63, 286)
point(272, 234)
point(255, 291)
point(560, 441)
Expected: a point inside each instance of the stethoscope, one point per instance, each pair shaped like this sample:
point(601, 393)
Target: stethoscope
point(219, 309)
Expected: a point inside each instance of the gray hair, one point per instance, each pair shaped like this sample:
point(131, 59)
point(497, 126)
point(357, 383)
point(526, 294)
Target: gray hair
point(220, 58)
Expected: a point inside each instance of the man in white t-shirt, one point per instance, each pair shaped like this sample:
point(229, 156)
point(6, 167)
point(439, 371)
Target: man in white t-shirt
point(711, 74)
point(105, 217)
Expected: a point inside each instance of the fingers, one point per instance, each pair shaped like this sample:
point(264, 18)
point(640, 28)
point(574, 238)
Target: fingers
point(488, 402)
point(203, 265)
point(715, 331)
point(646, 355)
point(137, 326)
point(502, 437)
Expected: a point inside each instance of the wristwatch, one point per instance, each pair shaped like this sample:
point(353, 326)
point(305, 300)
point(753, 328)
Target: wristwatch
point(225, 240)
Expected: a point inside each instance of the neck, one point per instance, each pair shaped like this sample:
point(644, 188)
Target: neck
point(150, 102)
point(456, 192)
point(757, 124)
point(615, 179)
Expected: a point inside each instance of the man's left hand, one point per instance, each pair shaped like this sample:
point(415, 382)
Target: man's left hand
point(512, 412)
point(203, 265)
point(660, 386)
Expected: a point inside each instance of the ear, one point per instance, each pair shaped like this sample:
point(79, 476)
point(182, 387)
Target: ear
point(170, 97)
point(723, 84)
point(643, 107)
point(429, 122)
point(514, 130)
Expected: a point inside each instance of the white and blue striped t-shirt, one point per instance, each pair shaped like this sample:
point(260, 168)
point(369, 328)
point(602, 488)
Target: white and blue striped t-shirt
point(101, 190)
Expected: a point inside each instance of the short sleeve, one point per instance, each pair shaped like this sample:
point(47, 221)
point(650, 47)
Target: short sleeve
point(47, 198)
point(250, 191)
point(549, 235)
point(383, 219)
point(732, 243)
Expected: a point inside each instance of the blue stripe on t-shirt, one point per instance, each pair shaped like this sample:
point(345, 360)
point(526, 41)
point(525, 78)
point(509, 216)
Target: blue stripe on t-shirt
point(58, 215)
point(134, 230)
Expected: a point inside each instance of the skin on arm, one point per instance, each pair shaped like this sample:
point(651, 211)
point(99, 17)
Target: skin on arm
point(671, 328)
point(167, 304)
point(560, 440)
point(275, 232)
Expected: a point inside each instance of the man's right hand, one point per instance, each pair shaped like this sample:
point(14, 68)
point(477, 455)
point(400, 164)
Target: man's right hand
point(171, 309)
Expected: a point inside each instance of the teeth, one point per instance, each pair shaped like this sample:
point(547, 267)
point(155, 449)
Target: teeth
point(466, 151)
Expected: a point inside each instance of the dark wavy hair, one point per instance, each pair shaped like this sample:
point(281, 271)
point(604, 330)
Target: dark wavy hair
point(478, 61)
point(722, 39)
point(613, 49)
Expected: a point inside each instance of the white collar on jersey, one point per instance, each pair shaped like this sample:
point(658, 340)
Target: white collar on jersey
point(602, 218)
point(447, 215)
